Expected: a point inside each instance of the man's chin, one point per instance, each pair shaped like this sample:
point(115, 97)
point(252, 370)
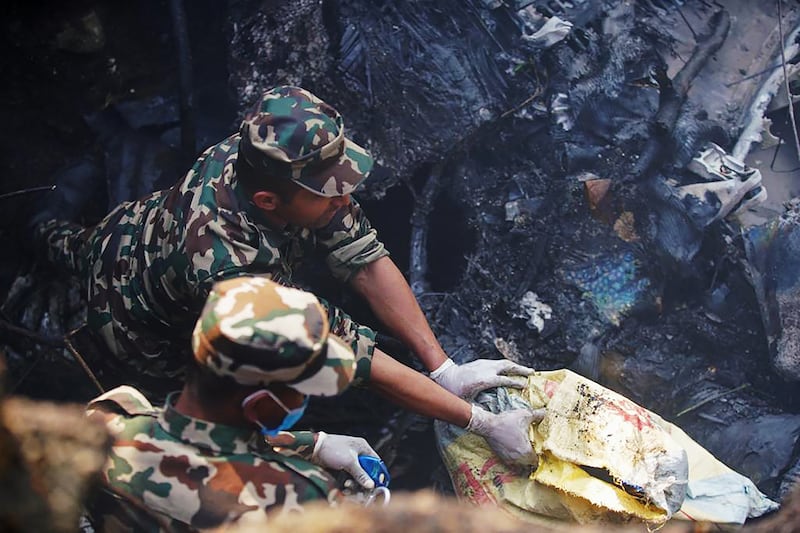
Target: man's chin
point(324, 221)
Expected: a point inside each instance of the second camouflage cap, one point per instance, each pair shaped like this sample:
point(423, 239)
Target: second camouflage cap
point(258, 332)
point(292, 134)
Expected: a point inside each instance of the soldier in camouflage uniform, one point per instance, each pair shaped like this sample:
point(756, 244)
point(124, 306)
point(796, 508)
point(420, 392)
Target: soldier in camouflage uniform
point(199, 462)
point(150, 264)
point(260, 202)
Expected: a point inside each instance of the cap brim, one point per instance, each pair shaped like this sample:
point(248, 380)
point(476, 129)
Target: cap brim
point(343, 176)
point(336, 372)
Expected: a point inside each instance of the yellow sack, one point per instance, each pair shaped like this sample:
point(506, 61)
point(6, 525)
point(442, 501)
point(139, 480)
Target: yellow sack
point(602, 458)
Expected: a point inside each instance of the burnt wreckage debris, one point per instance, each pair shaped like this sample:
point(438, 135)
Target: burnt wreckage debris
point(559, 137)
point(538, 152)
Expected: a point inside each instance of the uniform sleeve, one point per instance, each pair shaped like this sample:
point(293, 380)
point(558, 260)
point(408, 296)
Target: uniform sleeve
point(293, 443)
point(350, 242)
point(360, 338)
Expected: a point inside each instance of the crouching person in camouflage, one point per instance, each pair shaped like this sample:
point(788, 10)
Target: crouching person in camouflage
point(260, 349)
point(262, 202)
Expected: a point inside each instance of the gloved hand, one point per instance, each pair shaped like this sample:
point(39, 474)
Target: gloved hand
point(507, 432)
point(469, 379)
point(340, 452)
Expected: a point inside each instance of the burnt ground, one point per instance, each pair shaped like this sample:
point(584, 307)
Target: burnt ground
point(98, 81)
point(54, 80)
point(643, 297)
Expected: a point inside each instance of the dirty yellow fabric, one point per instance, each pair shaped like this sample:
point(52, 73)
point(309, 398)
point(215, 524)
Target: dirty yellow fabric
point(588, 425)
point(560, 490)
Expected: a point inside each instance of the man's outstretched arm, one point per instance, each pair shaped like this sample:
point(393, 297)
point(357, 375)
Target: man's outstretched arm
point(386, 290)
point(413, 391)
point(389, 296)
point(506, 432)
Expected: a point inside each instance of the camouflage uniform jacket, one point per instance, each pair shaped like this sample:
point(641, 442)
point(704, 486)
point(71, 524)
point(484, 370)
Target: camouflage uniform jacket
point(151, 263)
point(204, 475)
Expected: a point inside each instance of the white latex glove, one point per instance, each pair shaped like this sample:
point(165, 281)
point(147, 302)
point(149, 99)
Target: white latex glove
point(340, 452)
point(507, 432)
point(469, 379)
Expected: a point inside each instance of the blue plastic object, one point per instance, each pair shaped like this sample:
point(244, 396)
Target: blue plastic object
point(376, 469)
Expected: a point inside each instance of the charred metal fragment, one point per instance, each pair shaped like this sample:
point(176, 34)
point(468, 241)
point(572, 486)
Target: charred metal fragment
point(186, 92)
point(136, 162)
point(30, 335)
point(766, 451)
point(30, 190)
point(33, 312)
point(20, 289)
point(672, 96)
point(691, 133)
point(354, 61)
point(587, 363)
point(773, 253)
point(423, 204)
point(56, 310)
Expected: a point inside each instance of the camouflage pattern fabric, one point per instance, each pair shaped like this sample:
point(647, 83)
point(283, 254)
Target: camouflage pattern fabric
point(256, 332)
point(150, 264)
point(292, 134)
point(191, 472)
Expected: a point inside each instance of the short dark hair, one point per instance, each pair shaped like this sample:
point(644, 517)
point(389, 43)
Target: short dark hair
point(253, 181)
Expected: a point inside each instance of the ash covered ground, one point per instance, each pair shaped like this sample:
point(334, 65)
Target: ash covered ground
point(527, 183)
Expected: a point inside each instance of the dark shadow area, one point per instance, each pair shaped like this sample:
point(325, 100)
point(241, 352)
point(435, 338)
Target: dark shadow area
point(92, 81)
point(450, 242)
point(390, 216)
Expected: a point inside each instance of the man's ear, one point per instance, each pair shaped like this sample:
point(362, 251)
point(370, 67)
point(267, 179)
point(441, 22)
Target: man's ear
point(266, 200)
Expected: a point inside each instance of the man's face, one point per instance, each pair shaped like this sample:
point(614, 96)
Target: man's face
point(309, 210)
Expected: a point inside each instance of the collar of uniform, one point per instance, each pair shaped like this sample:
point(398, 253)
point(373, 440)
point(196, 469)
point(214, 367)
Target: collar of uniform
point(218, 438)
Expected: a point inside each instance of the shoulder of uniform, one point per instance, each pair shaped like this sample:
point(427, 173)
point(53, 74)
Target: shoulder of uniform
point(126, 399)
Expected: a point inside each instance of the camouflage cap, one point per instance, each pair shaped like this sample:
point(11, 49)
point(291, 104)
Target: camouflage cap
point(257, 332)
point(292, 134)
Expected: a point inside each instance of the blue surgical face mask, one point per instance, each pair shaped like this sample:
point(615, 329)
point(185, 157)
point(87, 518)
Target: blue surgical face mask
point(289, 420)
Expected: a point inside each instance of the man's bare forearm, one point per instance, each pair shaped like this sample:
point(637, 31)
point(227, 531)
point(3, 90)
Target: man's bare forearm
point(414, 391)
point(386, 290)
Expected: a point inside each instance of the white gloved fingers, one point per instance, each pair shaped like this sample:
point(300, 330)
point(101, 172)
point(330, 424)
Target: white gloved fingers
point(515, 445)
point(469, 379)
point(513, 369)
point(340, 452)
point(360, 475)
point(363, 448)
point(499, 366)
point(515, 382)
point(354, 468)
point(506, 433)
point(538, 415)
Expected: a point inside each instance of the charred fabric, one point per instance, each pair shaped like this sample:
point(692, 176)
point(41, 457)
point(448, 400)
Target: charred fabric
point(537, 164)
